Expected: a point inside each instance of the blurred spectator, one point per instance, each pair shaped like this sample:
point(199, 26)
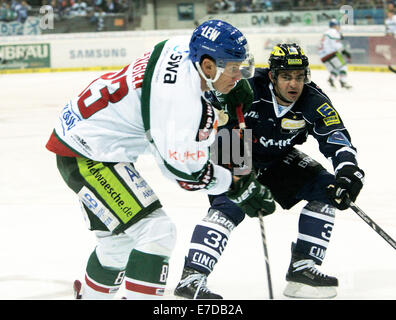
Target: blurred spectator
point(329, 4)
point(22, 10)
point(219, 6)
point(97, 3)
point(390, 6)
point(98, 18)
point(63, 7)
point(121, 5)
point(13, 4)
point(238, 6)
point(246, 6)
point(265, 5)
point(109, 6)
point(6, 13)
point(390, 23)
point(299, 4)
point(367, 4)
point(79, 8)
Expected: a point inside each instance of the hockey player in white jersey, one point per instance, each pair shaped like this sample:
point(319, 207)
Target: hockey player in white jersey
point(157, 102)
point(334, 55)
point(390, 23)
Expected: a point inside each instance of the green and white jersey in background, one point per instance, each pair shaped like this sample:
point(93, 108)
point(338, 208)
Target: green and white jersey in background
point(331, 42)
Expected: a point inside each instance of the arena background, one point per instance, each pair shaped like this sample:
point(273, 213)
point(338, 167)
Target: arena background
point(43, 239)
point(77, 38)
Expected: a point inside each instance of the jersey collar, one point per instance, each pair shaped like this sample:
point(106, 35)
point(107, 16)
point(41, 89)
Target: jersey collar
point(280, 110)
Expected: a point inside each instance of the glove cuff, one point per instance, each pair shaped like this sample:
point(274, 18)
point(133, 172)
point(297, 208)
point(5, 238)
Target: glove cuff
point(351, 170)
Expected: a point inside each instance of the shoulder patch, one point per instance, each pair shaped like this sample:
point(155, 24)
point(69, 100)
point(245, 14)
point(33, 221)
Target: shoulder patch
point(339, 138)
point(330, 116)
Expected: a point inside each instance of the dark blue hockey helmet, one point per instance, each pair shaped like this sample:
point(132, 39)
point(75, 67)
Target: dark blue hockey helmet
point(289, 56)
point(221, 42)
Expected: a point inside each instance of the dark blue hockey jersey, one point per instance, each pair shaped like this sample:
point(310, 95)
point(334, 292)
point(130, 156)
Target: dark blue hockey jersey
point(276, 129)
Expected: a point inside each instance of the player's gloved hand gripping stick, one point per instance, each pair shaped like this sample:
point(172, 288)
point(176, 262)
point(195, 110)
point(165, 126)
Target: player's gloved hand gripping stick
point(343, 193)
point(348, 183)
point(251, 196)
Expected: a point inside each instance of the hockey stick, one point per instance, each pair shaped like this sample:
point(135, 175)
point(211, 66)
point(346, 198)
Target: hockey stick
point(371, 223)
point(391, 69)
point(267, 264)
point(241, 119)
point(242, 126)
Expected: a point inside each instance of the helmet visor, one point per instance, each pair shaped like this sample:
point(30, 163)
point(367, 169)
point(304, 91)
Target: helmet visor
point(238, 69)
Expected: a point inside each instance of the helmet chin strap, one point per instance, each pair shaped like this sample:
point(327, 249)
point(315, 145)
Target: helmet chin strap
point(209, 82)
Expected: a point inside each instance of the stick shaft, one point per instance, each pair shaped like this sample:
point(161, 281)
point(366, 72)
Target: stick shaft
point(391, 69)
point(267, 264)
point(242, 126)
point(372, 224)
point(241, 119)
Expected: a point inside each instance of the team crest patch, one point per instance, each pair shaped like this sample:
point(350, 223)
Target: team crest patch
point(330, 116)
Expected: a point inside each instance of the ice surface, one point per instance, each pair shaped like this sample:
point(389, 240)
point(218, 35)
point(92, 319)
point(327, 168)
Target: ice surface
point(45, 245)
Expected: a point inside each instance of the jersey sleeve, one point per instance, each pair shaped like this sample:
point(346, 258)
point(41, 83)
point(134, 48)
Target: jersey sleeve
point(182, 140)
point(328, 129)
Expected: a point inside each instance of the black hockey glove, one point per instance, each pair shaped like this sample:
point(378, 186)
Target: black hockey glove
point(251, 196)
point(241, 94)
point(348, 183)
point(347, 55)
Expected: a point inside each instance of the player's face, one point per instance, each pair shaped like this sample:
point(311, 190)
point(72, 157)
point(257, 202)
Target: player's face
point(290, 84)
point(228, 78)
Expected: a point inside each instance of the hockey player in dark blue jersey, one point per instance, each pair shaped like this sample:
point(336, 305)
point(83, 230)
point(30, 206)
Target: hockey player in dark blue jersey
point(286, 107)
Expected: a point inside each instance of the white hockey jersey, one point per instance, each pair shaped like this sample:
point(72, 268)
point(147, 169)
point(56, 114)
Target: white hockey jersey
point(390, 25)
point(154, 104)
point(330, 43)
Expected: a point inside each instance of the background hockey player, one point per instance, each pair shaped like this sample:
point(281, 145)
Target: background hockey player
point(286, 108)
point(334, 55)
point(157, 102)
point(390, 23)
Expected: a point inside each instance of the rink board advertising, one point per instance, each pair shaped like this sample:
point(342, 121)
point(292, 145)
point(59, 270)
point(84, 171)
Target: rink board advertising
point(100, 52)
point(22, 56)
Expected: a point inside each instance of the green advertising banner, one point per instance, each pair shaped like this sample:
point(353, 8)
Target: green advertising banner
point(23, 56)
